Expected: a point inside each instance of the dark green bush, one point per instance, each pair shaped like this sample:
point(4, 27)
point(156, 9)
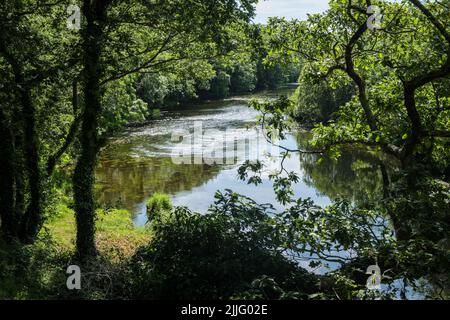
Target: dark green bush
point(215, 256)
point(32, 271)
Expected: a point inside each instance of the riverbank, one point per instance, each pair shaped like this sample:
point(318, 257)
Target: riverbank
point(38, 271)
point(188, 256)
point(116, 235)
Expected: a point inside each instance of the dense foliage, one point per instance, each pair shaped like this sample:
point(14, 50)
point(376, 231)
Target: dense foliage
point(316, 102)
point(217, 256)
point(393, 99)
point(383, 90)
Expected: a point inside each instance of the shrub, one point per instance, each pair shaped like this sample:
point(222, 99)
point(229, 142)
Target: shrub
point(214, 256)
point(32, 271)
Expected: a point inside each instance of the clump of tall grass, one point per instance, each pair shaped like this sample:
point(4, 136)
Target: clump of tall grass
point(158, 205)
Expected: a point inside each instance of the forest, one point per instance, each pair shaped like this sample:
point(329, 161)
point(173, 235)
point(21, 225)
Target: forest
point(347, 199)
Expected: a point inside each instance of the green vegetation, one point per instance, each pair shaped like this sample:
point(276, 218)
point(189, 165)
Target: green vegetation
point(382, 91)
point(238, 74)
point(224, 252)
point(37, 271)
point(316, 102)
point(116, 234)
point(158, 204)
point(227, 253)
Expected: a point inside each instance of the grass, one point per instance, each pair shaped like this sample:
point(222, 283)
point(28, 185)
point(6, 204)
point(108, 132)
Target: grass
point(158, 204)
point(37, 271)
point(116, 235)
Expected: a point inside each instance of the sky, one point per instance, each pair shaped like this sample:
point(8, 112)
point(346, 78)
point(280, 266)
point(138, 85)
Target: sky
point(288, 8)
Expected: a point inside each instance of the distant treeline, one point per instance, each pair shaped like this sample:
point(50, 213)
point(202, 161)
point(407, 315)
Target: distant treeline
point(217, 80)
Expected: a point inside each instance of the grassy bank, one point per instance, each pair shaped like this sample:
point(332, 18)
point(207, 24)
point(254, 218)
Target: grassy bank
point(116, 235)
point(38, 271)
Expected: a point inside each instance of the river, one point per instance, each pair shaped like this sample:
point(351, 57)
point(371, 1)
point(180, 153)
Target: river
point(220, 135)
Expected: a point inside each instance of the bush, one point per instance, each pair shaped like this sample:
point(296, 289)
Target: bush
point(33, 271)
point(215, 256)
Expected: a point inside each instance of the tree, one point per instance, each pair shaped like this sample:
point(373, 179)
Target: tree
point(158, 34)
point(400, 73)
point(317, 101)
point(391, 70)
point(31, 60)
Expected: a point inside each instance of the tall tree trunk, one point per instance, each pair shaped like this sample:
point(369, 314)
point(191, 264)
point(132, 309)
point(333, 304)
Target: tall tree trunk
point(83, 179)
point(19, 167)
point(32, 219)
point(7, 211)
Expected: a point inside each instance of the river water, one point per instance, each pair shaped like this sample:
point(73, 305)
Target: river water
point(214, 138)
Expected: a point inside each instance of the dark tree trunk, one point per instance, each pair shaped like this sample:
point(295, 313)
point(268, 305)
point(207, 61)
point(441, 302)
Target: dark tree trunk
point(386, 180)
point(83, 179)
point(357, 79)
point(7, 211)
point(411, 86)
point(19, 168)
point(32, 219)
point(415, 135)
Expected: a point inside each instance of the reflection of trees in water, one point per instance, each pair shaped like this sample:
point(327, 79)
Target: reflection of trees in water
point(355, 176)
point(128, 182)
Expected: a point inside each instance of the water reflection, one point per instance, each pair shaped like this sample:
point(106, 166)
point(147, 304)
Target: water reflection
point(138, 163)
point(128, 183)
point(354, 176)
